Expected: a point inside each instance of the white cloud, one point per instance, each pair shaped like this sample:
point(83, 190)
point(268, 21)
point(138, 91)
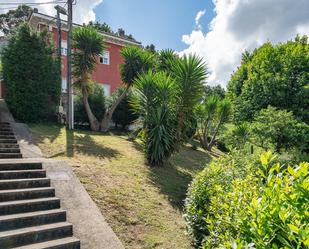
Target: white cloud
point(198, 16)
point(241, 25)
point(83, 11)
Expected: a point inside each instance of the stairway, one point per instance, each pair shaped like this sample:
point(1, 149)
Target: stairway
point(8, 143)
point(30, 214)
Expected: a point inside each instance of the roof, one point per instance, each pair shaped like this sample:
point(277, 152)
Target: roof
point(111, 38)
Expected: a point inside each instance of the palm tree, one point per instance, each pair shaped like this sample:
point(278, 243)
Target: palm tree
point(166, 60)
point(211, 114)
point(88, 45)
point(136, 61)
point(190, 73)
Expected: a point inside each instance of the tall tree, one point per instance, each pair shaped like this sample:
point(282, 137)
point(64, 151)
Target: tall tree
point(136, 61)
point(275, 75)
point(13, 18)
point(31, 76)
point(88, 45)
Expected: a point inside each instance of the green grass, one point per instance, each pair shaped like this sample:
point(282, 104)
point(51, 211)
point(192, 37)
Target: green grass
point(143, 205)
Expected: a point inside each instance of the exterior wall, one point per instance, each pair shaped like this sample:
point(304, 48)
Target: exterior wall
point(107, 75)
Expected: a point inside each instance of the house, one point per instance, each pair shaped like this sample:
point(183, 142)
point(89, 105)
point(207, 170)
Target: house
point(107, 72)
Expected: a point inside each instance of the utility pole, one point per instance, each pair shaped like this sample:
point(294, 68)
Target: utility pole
point(60, 10)
point(70, 112)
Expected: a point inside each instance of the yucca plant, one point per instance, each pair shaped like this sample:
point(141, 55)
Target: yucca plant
point(155, 102)
point(211, 114)
point(190, 73)
point(88, 45)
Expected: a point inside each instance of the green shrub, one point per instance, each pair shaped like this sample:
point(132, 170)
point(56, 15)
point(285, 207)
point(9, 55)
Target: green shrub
point(31, 76)
point(206, 207)
point(96, 101)
point(238, 202)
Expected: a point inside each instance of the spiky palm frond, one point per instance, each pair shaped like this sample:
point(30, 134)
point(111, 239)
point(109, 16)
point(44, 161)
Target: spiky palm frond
point(136, 61)
point(154, 101)
point(166, 60)
point(88, 45)
point(190, 73)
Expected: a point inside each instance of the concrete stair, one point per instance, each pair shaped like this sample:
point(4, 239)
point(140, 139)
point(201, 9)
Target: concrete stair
point(7, 139)
point(30, 214)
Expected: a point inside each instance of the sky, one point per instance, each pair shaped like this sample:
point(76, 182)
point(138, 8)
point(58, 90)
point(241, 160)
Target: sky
point(217, 30)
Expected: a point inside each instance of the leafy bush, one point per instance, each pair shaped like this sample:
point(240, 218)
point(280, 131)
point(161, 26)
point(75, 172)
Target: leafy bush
point(207, 205)
point(278, 129)
point(96, 101)
point(238, 202)
point(31, 75)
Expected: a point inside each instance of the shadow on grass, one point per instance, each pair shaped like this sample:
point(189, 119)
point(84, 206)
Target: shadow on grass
point(85, 144)
point(174, 178)
point(51, 131)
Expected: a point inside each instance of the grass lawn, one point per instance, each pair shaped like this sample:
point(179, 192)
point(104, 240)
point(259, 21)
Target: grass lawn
point(143, 205)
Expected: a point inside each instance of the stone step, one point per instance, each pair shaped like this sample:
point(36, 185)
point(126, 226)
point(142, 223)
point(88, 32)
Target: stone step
point(16, 221)
point(37, 234)
point(10, 133)
point(8, 141)
point(22, 174)
point(24, 183)
point(65, 243)
point(24, 206)
point(26, 194)
point(9, 150)
point(6, 136)
point(6, 129)
point(20, 166)
point(8, 145)
point(10, 155)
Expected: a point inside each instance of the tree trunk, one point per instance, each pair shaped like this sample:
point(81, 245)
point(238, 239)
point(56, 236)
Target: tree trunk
point(94, 124)
point(109, 113)
point(212, 141)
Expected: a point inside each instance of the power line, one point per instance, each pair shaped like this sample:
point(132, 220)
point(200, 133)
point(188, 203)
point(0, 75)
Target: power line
point(33, 3)
point(28, 4)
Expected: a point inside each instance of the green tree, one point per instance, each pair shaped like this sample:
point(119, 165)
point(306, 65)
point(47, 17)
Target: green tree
point(214, 90)
point(13, 18)
point(88, 45)
point(100, 26)
point(278, 129)
point(31, 75)
point(211, 115)
point(136, 61)
point(151, 48)
point(275, 75)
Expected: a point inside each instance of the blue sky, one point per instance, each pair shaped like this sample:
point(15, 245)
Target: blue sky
point(161, 22)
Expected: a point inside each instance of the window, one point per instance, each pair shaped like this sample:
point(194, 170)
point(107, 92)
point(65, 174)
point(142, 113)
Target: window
point(107, 89)
point(63, 85)
point(104, 58)
point(64, 48)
